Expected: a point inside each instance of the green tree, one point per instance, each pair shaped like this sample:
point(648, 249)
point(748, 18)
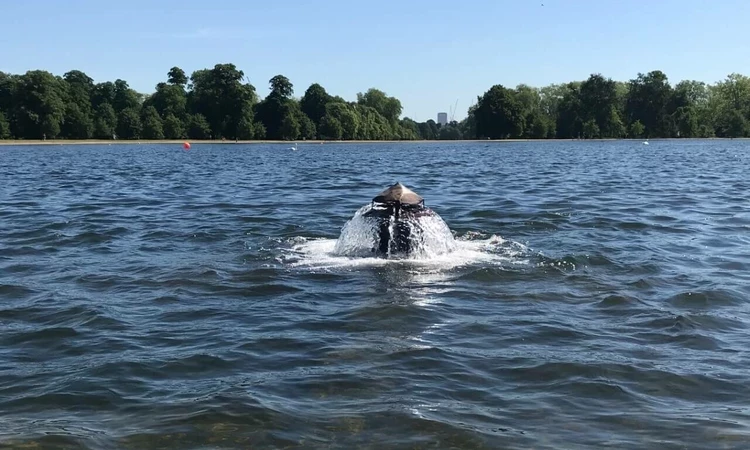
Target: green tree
point(569, 109)
point(590, 129)
point(307, 128)
point(372, 124)
point(105, 122)
point(469, 124)
point(730, 106)
point(537, 125)
point(615, 125)
point(598, 102)
point(40, 104)
point(731, 123)
point(550, 98)
point(347, 116)
point(290, 127)
point(499, 115)
point(314, 102)
point(173, 127)
point(8, 94)
point(129, 124)
point(198, 127)
point(330, 128)
point(649, 101)
point(77, 124)
point(152, 124)
point(530, 100)
point(8, 88)
point(281, 86)
point(410, 129)
point(450, 132)
point(125, 98)
point(4, 127)
point(388, 107)
point(103, 93)
point(425, 132)
point(221, 98)
point(686, 119)
point(246, 129)
point(168, 99)
point(692, 107)
point(637, 129)
point(260, 131)
point(177, 77)
point(278, 112)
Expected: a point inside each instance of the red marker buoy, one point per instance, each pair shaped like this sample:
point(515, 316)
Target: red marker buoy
point(186, 145)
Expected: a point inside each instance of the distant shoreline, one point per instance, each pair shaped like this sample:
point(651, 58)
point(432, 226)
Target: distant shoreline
point(254, 142)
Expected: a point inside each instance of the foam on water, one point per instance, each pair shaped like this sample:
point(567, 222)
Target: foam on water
point(430, 236)
point(492, 251)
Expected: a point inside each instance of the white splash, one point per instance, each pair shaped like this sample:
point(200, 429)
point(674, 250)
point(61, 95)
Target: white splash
point(493, 251)
point(430, 236)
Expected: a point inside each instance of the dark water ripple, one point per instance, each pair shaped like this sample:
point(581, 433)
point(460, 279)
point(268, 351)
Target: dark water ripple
point(152, 298)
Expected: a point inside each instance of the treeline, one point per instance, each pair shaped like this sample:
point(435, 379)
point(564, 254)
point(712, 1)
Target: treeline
point(220, 103)
point(646, 106)
point(217, 103)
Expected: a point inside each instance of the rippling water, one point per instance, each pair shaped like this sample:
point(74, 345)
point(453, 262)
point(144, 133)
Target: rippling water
point(152, 297)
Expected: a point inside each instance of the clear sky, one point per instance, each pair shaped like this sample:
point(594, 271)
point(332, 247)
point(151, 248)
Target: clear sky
point(429, 54)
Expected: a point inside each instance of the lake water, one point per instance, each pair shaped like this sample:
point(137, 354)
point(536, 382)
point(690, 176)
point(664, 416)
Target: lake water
point(152, 297)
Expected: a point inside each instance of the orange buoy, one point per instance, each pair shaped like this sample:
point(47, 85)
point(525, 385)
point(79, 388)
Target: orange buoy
point(186, 145)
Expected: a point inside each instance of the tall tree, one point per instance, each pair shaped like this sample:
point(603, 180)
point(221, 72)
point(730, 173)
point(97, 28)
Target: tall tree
point(649, 100)
point(105, 122)
point(314, 102)
point(78, 122)
point(4, 127)
point(499, 115)
point(598, 103)
point(281, 86)
point(176, 76)
point(174, 128)
point(124, 97)
point(129, 125)
point(103, 93)
point(388, 107)
point(152, 125)
point(198, 127)
point(220, 96)
point(278, 112)
point(732, 106)
point(40, 104)
point(168, 99)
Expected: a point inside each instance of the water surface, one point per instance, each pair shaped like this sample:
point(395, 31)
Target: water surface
point(152, 297)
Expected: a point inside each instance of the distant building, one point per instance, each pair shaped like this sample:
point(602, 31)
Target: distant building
point(443, 118)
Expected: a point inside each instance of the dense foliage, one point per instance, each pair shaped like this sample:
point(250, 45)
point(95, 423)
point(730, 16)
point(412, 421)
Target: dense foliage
point(219, 103)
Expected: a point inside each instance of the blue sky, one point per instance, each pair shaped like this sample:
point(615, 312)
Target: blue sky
point(429, 54)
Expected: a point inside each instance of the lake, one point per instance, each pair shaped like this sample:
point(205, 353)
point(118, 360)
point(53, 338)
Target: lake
point(153, 297)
